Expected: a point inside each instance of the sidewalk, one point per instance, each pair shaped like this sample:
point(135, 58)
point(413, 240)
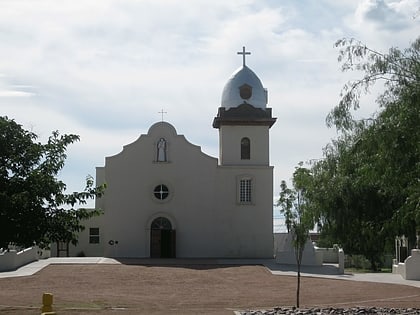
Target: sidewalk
point(330, 272)
point(326, 271)
point(34, 267)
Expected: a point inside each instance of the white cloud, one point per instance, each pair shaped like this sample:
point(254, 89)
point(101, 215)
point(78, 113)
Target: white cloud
point(14, 93)
point(103, 69)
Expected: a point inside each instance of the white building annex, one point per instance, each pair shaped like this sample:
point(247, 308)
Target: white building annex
point(166, 198)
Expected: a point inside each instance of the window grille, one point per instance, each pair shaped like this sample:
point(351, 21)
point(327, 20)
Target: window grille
point(161, 192)
point(94, 236)
point(245, 190)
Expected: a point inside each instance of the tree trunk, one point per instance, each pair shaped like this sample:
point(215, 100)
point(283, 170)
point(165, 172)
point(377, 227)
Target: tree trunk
point(373, 265)
point(298, 284)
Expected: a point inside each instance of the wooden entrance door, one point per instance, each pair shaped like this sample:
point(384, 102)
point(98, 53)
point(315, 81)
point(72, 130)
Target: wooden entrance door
point(162, 239)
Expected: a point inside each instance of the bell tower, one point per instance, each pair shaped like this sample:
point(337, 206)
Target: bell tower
point(244, 120)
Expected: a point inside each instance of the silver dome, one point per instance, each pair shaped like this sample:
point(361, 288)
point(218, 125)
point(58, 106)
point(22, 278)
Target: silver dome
point(244, 87)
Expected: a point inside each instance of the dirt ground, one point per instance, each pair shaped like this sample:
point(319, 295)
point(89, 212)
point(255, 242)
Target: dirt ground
point(187, 289)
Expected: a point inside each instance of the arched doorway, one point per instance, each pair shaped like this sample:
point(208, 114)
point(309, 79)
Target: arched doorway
point(162, 239)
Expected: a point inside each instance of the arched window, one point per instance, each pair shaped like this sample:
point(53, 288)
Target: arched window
point(245, 149)
point(161, 223)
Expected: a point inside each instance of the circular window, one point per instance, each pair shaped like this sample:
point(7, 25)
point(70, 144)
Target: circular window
point(161, 192)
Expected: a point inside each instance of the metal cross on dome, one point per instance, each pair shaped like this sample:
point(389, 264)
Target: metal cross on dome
point(243, 53)
point(162, 112)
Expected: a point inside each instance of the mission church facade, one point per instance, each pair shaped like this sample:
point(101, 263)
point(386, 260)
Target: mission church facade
point(166, 198)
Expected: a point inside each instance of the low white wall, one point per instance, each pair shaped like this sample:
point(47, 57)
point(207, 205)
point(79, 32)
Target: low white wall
point(309, 258)
point(329, 255)
point(44, 253)
point(410, 268)
point(312, 255)
point(12, 259)
point(412, 265)
point(399, 268)
point(285, 252)
point(341, 261)
point(333, 255)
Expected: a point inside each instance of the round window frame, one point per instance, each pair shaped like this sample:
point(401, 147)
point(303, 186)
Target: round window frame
point(155, 191)
point(161, 192)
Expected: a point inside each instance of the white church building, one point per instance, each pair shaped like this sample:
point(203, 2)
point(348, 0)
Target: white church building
point(166, 198)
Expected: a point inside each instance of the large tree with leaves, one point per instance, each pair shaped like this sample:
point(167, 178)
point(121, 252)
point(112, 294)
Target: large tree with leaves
point(34, 206)
point(368, 184)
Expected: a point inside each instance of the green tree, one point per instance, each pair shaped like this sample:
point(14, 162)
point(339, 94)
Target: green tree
point(367, 185)
point(32, 199)
point(65, 224)
point(294, 205)
point(399, 70)
point(354, 211)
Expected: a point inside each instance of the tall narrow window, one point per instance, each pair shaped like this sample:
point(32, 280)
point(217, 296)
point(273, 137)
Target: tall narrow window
point(94, 236)
point(245, 149)
point(245, 190)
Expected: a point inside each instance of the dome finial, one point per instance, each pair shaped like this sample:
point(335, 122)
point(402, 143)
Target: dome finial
point(162, 112)
point(243, 53)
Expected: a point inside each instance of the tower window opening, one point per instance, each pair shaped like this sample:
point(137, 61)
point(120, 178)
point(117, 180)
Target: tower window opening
point(245, 149)
point(245, 190)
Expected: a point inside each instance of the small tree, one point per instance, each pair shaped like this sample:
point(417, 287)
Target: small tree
point(294, 206)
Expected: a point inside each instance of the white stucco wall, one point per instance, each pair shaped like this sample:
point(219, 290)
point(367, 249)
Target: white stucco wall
point(202, 206)
point(12, 259)
point(230, 148)
point(410, 269)
point(84, 248)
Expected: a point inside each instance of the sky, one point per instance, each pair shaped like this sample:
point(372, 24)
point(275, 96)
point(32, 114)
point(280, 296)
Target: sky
point(105, 69)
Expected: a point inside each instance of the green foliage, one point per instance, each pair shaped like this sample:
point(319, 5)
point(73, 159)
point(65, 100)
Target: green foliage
point(33, 201)
point(64, 225)
point(399, 70)
point(366, 190)
point(296, 208)
point(293, 204)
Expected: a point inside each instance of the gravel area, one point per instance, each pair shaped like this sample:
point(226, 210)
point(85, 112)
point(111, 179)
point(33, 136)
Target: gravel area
point(334, 311)
point(191, 289)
